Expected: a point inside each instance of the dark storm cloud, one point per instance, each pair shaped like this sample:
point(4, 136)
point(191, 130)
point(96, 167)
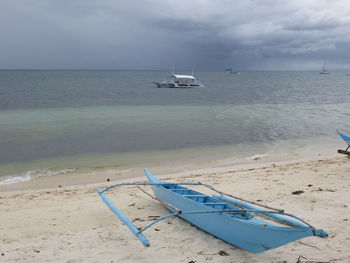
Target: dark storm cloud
point(154, 34)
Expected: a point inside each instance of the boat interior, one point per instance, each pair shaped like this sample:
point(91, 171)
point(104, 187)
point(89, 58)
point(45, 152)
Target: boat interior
point(207, 200)
point(215, 204)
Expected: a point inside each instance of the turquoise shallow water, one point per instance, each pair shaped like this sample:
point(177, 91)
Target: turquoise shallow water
point(57, 121)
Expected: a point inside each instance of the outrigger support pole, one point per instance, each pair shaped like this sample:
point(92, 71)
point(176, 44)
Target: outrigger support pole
point(124, 219)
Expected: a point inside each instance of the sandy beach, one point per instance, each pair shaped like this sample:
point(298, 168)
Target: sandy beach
point(52, 221)
point(250, 98)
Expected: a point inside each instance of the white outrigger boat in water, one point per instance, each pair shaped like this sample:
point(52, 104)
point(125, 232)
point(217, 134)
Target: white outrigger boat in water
point(180, 81)
point(324, 70)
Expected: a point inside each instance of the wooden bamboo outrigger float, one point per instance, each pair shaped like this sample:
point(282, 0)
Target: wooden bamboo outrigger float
point(347, 141)
point(229, 219)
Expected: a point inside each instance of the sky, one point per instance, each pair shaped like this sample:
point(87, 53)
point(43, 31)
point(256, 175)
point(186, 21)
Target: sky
point(156, 34)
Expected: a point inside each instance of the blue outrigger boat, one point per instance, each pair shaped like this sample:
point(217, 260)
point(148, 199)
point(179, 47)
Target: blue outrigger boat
point(346, 140)
point(232, 220)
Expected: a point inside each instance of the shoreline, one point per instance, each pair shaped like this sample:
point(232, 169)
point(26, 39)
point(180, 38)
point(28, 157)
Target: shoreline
point(85, 169)
point(110, 173)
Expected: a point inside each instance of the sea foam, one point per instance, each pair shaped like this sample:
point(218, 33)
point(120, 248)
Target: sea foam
point(32, 174)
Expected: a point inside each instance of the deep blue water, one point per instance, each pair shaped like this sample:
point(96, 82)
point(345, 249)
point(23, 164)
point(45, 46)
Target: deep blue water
point(51, 114)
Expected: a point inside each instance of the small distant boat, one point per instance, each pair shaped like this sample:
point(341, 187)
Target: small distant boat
point(347, 141)
point(324, 70)
point(180, 81)
point(233, 72)
point(233, 220)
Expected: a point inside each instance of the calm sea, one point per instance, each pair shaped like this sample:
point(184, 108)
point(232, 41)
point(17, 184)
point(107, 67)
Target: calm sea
point(52, 122)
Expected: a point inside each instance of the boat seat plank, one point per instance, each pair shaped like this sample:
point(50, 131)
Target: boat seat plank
point(215, 203)
point(195, 195)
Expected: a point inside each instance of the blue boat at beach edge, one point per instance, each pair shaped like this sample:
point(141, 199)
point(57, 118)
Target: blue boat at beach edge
point(232, 220)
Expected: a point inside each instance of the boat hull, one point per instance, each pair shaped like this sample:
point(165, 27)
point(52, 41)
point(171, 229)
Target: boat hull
point(247, 233)
point(176, 86)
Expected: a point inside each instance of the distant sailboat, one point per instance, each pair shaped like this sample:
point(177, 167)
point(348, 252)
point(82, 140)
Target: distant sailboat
point(324, 70)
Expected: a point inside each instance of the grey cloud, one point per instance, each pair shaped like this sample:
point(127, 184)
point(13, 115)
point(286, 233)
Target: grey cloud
point(154, 34)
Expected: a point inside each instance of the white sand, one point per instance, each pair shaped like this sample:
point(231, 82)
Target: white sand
point(72, 224)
